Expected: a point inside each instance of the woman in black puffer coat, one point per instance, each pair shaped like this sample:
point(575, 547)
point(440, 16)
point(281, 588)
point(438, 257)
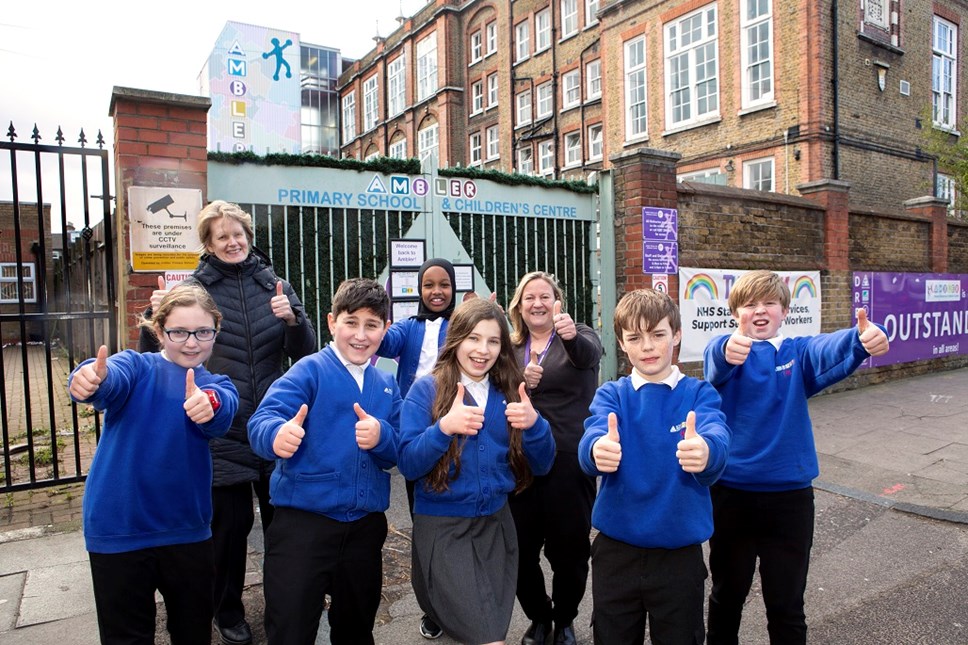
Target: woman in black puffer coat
point(263, 323)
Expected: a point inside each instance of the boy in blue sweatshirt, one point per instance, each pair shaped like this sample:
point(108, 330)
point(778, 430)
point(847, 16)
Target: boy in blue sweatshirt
point(331, 422)
point(763, 503)
point(658, 440)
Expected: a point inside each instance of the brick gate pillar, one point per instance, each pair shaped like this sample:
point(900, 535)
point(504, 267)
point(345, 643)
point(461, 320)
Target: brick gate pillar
point(935, 209)
point(643, 177)
point(160, 139)
point(834, 196)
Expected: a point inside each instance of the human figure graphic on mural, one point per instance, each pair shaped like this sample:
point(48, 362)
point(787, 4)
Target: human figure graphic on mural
point(280, 61)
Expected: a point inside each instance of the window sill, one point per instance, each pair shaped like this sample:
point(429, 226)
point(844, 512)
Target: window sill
point(759, 107)
point(692, 126)
point(880, 43)
point(946, 128)
point(636, 140)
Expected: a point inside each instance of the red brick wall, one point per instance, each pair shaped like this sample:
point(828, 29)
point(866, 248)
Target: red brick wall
point(159, 140)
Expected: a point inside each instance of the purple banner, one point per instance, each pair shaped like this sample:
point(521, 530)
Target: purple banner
point(925, 314)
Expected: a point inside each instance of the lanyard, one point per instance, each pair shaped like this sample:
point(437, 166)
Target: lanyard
point(541, 356)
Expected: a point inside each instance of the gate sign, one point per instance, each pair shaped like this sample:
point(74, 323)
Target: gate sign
point(660, 224)
point(660, 257)
point(161, 222)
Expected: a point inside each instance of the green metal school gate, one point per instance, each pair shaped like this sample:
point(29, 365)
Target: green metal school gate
point(321, 226)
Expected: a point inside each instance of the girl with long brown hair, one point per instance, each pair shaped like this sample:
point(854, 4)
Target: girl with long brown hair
point(470, 436)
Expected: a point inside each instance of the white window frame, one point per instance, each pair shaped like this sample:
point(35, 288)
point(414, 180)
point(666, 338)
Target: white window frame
point(477, 97)
point(569, 18)
point(757, 52)
point(753, 175)
point(477, 47)
point(525, 164)
point(427, 67)
point(595, 142)
point(572, 145)
point(591, 8)
point(492, 90)
point(522, 41)
point(398, 149)
point(8, 276)
point(944, 73)
point(571, 89)
point(546, 157)
point(349, 116)
point(593, 80)
point(371, 103)
point(522, 108)
point(492, 137)
point(946, 189)
point(689, 68)
point(428, 142)
point(397, 85)
point(474, 145)
point(636, 90)
point(490, 38)
point(545, 103)
point(542, 30)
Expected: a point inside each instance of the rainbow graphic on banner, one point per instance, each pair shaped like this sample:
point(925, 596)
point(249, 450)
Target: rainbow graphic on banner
point(701, 281)
point(802, 284)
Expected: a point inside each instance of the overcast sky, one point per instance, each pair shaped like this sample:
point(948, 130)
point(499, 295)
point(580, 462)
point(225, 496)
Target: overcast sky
point(60, 60)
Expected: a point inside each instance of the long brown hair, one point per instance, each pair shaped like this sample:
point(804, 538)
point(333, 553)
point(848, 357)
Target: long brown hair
point(506, 375)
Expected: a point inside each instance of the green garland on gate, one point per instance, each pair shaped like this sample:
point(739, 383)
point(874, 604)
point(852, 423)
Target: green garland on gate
point(391, 166)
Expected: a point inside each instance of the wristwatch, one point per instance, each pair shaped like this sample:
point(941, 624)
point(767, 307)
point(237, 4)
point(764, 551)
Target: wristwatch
point(213, 399)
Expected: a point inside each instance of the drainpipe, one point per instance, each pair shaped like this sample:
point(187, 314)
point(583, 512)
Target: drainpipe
point(836, 89)
point(581, 75)
point(554, 90)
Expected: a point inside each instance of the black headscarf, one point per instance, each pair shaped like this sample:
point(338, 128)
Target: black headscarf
point(423, 313)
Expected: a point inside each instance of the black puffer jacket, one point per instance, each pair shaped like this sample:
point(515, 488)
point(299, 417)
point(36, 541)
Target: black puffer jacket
point(249, 349)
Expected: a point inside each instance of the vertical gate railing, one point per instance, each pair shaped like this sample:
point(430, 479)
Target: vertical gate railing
point(57, 303)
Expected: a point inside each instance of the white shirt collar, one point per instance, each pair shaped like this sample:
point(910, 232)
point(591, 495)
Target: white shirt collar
point(776, 341)
point(672, 380)
point(355, 370)
point(477, 389)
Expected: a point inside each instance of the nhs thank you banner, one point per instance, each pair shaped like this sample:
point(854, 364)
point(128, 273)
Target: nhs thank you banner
point(925, 314)
point(704, 303)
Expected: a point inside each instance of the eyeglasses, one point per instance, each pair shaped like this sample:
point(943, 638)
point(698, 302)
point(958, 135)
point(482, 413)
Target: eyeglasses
point(203, 335)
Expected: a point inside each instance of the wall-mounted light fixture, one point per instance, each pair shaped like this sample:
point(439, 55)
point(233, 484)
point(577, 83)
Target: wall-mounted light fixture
point(881, 68)
point(796, 154)
point(729, 166)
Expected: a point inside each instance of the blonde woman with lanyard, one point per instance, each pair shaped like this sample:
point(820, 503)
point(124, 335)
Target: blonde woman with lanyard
point(560, 359)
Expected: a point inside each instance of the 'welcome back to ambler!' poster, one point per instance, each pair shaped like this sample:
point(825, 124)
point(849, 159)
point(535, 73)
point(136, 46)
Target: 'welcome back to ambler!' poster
point(704, 304)
point(925, 314)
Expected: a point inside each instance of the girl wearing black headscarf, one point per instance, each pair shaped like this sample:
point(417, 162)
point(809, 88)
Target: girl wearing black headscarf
point(415, 342)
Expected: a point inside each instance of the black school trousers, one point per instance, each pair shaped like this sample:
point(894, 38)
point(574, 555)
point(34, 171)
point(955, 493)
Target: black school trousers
point(124, 593)
point(308, 556)
point(777, 528)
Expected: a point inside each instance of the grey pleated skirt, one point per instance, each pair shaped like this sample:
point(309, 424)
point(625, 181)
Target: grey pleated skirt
point(465, 572)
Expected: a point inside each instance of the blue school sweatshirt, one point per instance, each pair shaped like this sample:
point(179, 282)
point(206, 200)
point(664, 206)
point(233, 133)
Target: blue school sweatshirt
point(329, 474)
point(765, 401)
point(650, 501)
point(404, 340)
point(485, 477)
point(150, 482)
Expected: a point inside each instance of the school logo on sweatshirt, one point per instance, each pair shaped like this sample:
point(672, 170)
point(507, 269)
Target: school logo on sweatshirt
point(680, 428)
point(786, 368)
point(387, 390)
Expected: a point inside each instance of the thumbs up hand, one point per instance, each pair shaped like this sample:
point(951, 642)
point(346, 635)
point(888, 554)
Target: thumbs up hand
point(88, 378)
point(462, 419)
point(533, 371)
point(281, 308)
point(607, 451)
point(197, 405)
point(564, 325)
point(367, 429)
point(692, 451)
point(872, 337)
point(739, 344)
point(290, 434)
point(521, 415)
point(158, 294)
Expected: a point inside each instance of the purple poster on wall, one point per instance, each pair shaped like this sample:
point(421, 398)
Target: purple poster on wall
point(925, 314)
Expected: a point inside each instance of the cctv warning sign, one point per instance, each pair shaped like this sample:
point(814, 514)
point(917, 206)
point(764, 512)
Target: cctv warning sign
point(161, 222)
